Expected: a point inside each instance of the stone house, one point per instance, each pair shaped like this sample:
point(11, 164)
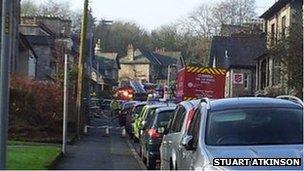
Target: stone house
point(277, 20)
point(46, 64)
point(237, 54)
point(59, 27)
point(145, 66)
point(107, 64)
point(27, 60)
point(48, 36)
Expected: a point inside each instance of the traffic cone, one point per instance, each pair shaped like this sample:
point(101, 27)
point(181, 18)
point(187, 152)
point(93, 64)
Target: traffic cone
point(123, 132)
point(107, 132)
point(86, 129)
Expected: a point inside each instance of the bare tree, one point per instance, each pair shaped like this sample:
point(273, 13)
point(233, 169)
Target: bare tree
point(28, 7)
point(201, 22)
point(234, 11)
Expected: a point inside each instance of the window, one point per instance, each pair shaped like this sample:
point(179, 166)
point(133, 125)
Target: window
point(194, 127)
point(246, 80)
point(178, 119)
point(272, 35)
point(276, 79)
point(263, 74)
point(255, 126)
point(283, 26)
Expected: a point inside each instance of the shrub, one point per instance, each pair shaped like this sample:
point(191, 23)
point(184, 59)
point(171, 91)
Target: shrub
point(35, 110)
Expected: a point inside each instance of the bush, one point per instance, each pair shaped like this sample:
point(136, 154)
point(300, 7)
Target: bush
point(35, 110)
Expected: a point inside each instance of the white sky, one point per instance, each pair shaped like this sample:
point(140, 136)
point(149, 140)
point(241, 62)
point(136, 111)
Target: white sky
point(149, 14)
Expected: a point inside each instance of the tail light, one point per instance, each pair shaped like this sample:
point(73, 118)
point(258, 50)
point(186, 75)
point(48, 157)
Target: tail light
point(153, 133)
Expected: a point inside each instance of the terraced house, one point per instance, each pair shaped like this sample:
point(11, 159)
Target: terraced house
point(278, 20)
point(145, 66)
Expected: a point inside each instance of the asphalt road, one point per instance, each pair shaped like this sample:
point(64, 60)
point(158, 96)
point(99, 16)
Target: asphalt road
point(95, 151)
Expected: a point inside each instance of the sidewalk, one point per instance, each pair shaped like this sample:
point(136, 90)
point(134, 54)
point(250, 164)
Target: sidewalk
point(94, 151)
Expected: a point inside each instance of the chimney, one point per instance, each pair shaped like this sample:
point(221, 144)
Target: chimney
point(98, 46)
point(160, 51)
point(130, 52)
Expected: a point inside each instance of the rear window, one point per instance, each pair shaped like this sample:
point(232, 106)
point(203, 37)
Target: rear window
point(163, 118)
point(255, 127)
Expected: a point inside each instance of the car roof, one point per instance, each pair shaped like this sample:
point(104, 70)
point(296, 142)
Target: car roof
point(252, 102)
point(163, 109)
point(188, 105)
point(159, 105)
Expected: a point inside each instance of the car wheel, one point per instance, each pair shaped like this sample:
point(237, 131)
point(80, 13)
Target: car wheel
point(151, 163)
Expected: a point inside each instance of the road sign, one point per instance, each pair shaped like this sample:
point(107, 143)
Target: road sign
point(238, 78)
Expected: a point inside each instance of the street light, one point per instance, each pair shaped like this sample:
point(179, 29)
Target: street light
point(166, 94)
point(68, 44)
point(169, 73)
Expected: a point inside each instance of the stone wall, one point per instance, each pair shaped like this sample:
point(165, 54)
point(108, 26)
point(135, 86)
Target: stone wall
point(44, 61)
point(142, 72)
point(237, 90)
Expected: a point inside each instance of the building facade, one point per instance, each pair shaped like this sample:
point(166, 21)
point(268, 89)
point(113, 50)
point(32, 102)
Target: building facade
point(277, 21)
point(237, 55)
point(145, 66)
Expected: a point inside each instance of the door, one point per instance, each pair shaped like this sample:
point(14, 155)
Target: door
point(187, 156)
point(177, 126)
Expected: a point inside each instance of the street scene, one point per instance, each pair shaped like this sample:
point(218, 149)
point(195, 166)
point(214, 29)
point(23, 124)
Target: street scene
point(151, 85)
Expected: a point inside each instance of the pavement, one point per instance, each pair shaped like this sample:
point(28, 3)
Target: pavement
point(94, 151)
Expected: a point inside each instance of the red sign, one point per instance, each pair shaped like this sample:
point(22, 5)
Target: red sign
point(198, 82)
point(238, 78)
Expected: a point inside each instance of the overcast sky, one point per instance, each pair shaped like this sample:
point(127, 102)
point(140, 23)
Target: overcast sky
point(149, 14)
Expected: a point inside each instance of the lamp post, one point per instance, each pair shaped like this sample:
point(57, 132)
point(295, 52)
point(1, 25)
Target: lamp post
point(68, 44)
point(6, 28)
point(166, 94)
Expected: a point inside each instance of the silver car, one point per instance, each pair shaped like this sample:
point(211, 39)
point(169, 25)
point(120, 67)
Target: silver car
point(176, 129)
point(243, 128)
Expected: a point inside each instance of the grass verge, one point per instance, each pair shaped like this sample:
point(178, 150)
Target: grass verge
point(28, 156)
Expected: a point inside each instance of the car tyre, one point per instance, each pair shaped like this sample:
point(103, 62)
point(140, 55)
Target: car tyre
point(151, 163)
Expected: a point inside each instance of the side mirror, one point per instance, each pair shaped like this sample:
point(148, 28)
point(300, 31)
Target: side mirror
point(161, 130)
point(143, 123)
point(187, 142)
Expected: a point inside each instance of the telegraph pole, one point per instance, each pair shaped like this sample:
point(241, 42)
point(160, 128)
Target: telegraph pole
point(79, 106)
point(4, 77)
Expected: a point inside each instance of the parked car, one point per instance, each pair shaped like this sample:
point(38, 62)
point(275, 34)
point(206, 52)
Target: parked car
point(133, 113)
point(152, 135)
point(141, 119)
point(174, 133)
point(242, 128)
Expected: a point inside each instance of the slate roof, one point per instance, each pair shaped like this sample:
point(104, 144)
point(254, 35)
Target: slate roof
point(151, 57)
point(24, 42)
point(106, 63)
point(275, 8)
point(236, 51)
point(39, 40)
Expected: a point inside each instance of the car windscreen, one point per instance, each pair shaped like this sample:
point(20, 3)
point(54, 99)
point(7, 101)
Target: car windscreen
point(163, 118)
point(261, 126)
point(128, 105)
point(138, 109)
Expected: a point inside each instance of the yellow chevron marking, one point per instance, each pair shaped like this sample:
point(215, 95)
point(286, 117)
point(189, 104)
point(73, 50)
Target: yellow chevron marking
point(222, 71)
point(200, 70)
point(217, 71)
point(190, 69)
point(206, 71)
point(195, 69)
point(211, 70)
